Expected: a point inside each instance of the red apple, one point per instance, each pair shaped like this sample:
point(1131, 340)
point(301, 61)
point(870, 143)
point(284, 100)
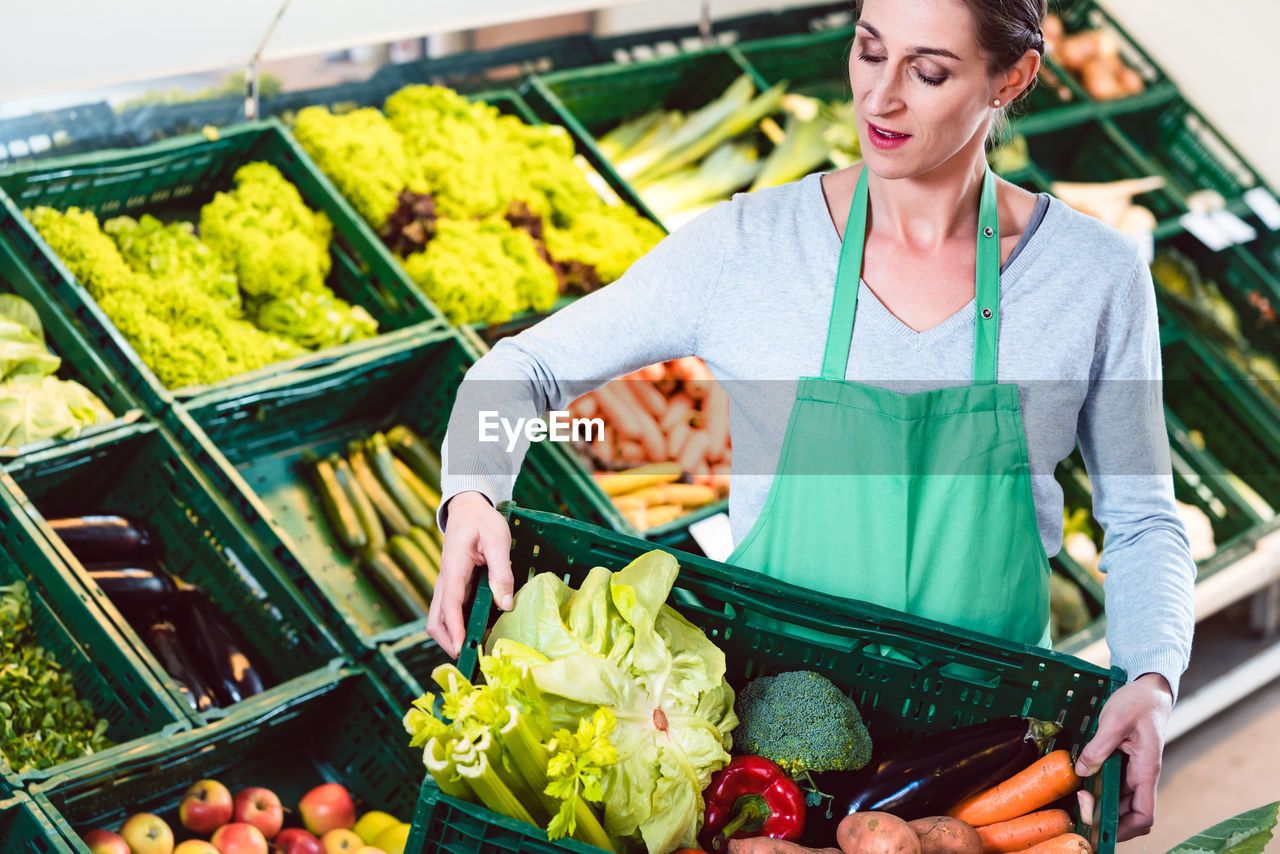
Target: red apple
point(295, 840)
point(261, 808)
point(239, 838)
point(147, 834)
point(195, 846)
point(105, 842)
point(326, 808)
point(205, 807)
point(341, 841)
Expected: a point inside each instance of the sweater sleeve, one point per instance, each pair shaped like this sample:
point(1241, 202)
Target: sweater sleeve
point(1150, 588)
point(651, 314)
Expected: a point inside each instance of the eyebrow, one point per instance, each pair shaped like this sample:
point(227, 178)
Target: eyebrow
point(922, 51)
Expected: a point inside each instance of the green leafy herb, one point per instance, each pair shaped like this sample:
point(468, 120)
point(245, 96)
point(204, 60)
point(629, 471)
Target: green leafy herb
point(576, 768)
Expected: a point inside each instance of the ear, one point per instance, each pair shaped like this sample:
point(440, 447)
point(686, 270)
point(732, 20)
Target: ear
point(1019, 77)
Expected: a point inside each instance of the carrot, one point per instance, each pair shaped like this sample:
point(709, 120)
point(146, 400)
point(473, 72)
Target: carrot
point(654, 373)
point(1067, 843)
point(720, 479)
point(677, 437)
point(584, 407)
point(679, 408)
point(699, 382)
point(631, 452)
point(650, 435)
point(661, 514)
point(1050, 778)
point(1024, 831)
point(683, 368)
point(638, 478)
point(695, 451)
point(649, 397)
point(675, 493)
point(606, 448)
point(716, 407)
point(619, 411)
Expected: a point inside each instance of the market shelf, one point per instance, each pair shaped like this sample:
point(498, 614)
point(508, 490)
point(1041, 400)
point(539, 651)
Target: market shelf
point(105, 669)
point(405, 666)
point(339, 726)
point(171, 180)
point(86, 127)
point(24, 828)
point(250, 443)
point(139, 472)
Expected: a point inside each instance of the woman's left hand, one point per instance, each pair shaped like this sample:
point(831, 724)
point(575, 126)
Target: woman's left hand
point(1133, 720)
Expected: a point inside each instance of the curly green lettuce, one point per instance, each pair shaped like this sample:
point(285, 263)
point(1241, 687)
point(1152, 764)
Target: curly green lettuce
point(173, 250)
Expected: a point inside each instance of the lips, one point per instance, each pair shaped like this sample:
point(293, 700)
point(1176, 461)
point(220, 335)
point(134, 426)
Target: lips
point(884, 138)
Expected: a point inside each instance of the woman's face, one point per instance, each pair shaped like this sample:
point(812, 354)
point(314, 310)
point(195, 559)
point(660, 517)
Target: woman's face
point(921, 90)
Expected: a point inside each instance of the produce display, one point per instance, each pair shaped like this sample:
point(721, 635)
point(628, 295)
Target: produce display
point(184, 629)
point(244, 290)
point(42, 720)
point(210, 821)
point(1093, 58)
point(1113, 202)
point(490, 216)
point(665, 423)
point(380, 502)
point(34, 404)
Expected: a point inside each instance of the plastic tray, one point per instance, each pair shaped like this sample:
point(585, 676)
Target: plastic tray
point(24, 829)
point(788, 627)
point(172, 179)
point(250, 443)
point(141, 473)
point(79, 361)
point(405, 666)
point(340, 726)
point(107, 672)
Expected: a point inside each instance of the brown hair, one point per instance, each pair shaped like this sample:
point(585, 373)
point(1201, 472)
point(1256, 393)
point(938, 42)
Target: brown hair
point(1007, 29)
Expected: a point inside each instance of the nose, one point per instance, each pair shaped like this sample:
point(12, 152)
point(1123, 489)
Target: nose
point(884, 96)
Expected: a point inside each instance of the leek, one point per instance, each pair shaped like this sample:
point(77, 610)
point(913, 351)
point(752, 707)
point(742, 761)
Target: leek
point(804, 145)
point(695, 127)
point(730, 167)
point(620, 141)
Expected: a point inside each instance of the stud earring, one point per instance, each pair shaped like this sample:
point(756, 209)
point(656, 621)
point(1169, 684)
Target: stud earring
point(996, 102)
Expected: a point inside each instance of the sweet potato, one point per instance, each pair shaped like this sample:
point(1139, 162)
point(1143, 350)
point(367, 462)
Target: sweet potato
point(942, 834)
point(876, 833)
point(765, 845)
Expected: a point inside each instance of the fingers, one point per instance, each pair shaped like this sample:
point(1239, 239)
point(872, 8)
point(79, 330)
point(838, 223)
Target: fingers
point(1111, 731)
point(1138, 806)
point(445, 622)
point(1085, 800)
point(496, 546)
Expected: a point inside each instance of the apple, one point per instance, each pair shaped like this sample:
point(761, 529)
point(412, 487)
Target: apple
point(295, 840)
point(327, 807)
point(195, 846)
point(105, 842)
point(394, 838)
point(239, 838)
point(261, 808)
point(205, 807)
point(372, 823)
point(341, 841)
point(147, 834)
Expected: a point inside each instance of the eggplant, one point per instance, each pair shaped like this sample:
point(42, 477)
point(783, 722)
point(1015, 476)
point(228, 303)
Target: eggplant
point(126, 583)
point(930, 776)
point(105, 538)
point(218, 655)
point(163, 640)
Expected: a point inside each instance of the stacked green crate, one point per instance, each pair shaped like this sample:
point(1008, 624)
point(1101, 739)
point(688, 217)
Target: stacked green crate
point(140, 473)
point(172, 180)
point(25, 829)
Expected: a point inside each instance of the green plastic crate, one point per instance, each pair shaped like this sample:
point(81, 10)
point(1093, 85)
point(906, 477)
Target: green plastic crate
point(405, 666)
point(250, 444)
point(961, 678)
point(24, 829)
point(79, 361)
point(140, 472)
point(340, 726)
point(172, 179)
point(108, 673)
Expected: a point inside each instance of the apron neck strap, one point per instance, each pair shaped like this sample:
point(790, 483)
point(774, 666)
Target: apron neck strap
point(844, 305)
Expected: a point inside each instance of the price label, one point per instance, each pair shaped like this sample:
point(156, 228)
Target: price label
point(714, 536)
point(1265, 206)
point(1233, 227)
point(1205, 228)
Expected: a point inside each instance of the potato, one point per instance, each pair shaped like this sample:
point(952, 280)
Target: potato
point(876, 833)
point(765, 845)
point(943, 834)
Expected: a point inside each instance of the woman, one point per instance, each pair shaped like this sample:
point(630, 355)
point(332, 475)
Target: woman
point(968, 285)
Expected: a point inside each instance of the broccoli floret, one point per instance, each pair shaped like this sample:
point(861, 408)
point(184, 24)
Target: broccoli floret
point(802, 722)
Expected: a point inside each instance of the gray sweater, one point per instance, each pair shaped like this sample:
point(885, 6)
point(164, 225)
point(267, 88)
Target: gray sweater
point(748, 286)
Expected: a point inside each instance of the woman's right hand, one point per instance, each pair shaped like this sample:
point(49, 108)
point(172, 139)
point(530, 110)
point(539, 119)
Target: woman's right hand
point(476, 535)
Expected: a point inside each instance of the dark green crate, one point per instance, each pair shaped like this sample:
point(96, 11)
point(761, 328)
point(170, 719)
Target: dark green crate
point(172, 179)
point(764, 627)
point(108, 673)
point(24, 828)
point(250, 444)
point(66, 130)
point(140, 472)
point(79, 361)
point(336, 727)
point(405, 666)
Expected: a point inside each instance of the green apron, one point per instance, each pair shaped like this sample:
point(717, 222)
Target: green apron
point(918, 502)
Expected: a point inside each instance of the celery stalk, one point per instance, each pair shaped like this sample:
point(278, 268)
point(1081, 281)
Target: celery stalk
point(492, 791)
point(439, 761)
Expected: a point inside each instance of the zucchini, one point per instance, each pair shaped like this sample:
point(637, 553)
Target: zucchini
point(384, 465)
point(336, 503)
point(408, 447)
point(105, 538)
point(426, 540)
point(426, 494)
point(376, 539)
point(390, 513)
point(395, 585)
point(415, 562)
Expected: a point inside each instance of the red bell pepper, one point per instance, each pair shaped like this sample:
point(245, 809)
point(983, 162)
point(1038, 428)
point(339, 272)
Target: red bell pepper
point(751, 796)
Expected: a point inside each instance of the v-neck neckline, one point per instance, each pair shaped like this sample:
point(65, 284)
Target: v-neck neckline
point(1010, 273)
